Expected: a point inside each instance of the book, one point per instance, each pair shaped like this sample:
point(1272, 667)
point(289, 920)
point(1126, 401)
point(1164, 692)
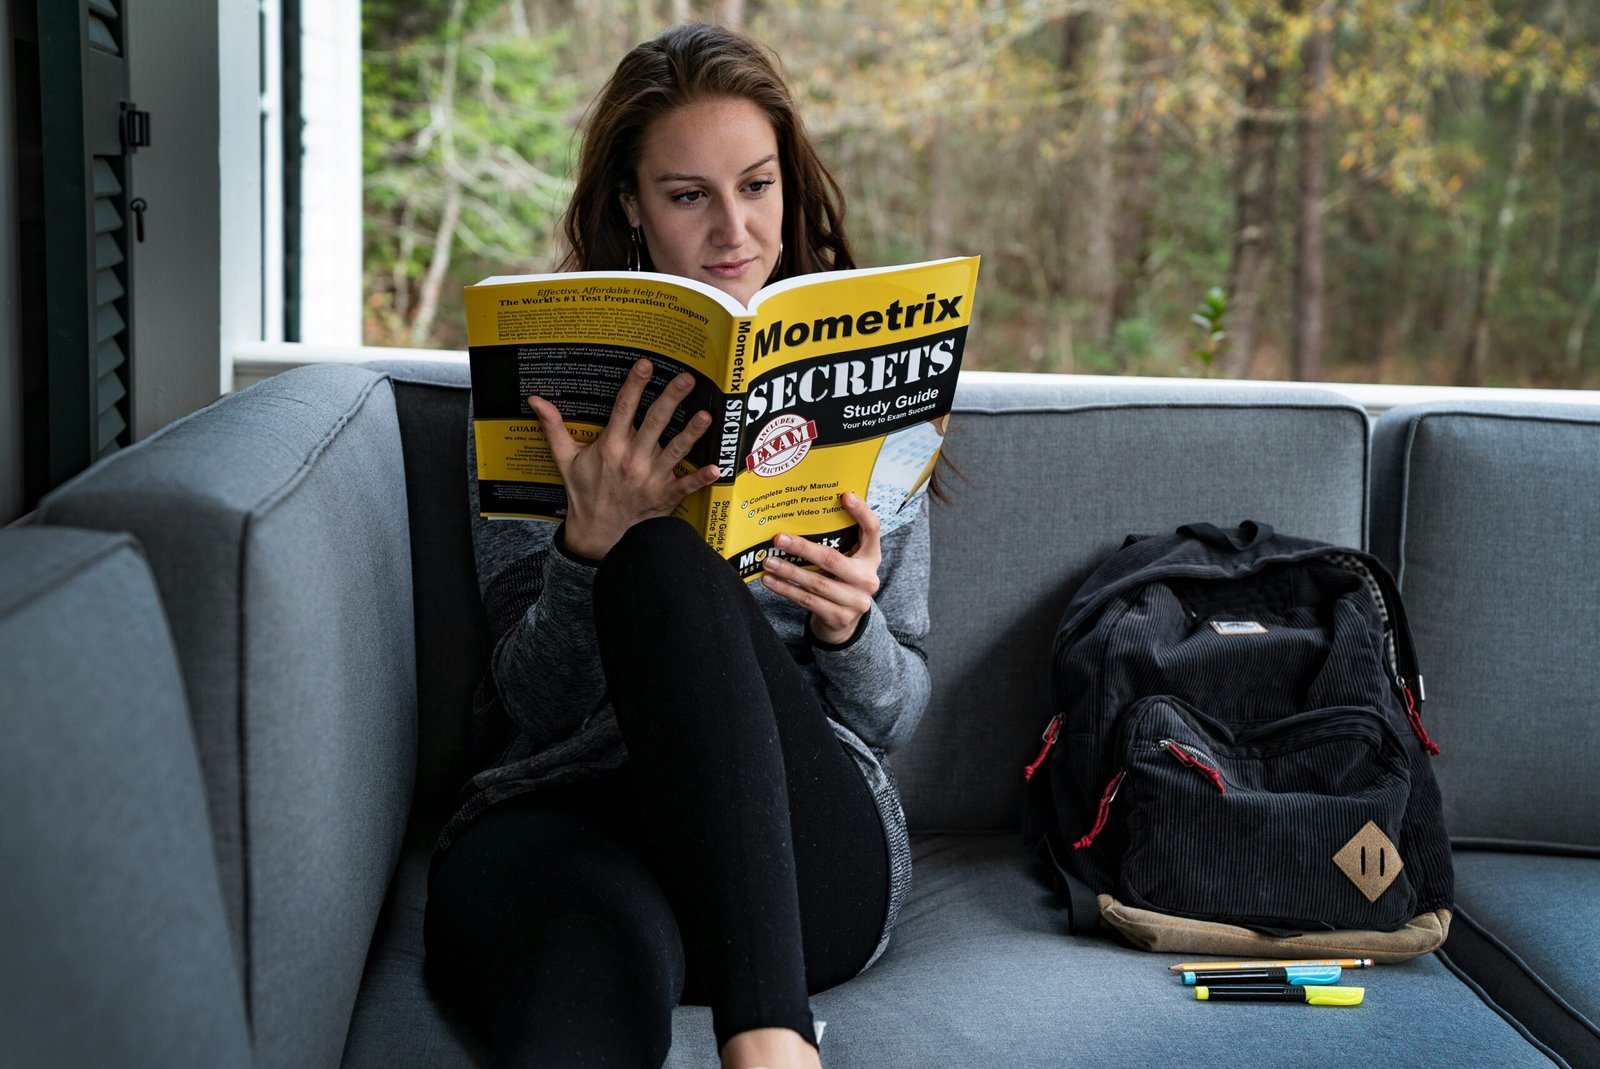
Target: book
point(826, 383)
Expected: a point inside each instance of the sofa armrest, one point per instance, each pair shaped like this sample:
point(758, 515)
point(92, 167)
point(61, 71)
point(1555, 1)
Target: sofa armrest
point(116, 944)
point(275, 524)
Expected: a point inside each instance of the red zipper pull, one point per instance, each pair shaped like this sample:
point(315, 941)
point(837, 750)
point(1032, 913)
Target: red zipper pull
point(1414, 718)
point(1103, 813)
point(1051, 730)
point(1182, 753)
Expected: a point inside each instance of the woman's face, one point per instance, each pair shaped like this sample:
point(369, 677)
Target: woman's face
point(710, 199)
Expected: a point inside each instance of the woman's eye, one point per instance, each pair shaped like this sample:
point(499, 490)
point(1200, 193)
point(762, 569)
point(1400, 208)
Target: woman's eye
point(688, 196)
point(759, 185)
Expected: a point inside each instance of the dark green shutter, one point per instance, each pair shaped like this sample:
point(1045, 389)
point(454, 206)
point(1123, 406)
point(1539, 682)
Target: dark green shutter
point(111, 328)
point(76, 233)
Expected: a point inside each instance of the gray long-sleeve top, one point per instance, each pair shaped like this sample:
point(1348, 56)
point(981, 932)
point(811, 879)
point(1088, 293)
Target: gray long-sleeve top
point(542, 718)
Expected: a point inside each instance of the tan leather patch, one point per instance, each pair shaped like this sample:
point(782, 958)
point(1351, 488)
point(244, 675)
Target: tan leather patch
point(1165, 934)
point(1370, 860)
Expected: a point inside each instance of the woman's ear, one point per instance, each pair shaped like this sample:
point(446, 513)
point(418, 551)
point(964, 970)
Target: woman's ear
point(630, 207)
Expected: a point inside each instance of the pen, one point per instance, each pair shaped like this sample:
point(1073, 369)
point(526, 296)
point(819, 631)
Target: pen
point(1344, 963)
point(1286, 974)
point(1316, 996)
point(916, 484)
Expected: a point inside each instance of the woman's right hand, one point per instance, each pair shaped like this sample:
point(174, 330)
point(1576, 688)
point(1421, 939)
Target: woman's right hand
point(625, 475)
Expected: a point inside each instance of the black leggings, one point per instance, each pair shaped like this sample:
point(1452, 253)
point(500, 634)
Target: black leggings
point(737, 860)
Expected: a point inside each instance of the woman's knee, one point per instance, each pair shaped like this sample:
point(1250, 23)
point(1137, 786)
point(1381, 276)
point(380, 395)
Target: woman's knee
point(662, 578)
point(525, 873)
point(658, 558)
point(648, 542)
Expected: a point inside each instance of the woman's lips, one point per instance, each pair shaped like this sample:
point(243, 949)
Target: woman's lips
point(730, 268)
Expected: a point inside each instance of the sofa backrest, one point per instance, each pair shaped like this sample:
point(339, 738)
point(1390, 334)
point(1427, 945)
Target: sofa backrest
point(452, 635)
point(275, 524)
point(1055, 473)
point(115, 944)
point(1487, 515)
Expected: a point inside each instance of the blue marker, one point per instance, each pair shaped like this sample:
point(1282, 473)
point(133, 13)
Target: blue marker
point(1282, 974)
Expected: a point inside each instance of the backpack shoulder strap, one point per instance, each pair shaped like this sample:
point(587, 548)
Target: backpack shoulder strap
point(1406, 669)
point(1083, 908)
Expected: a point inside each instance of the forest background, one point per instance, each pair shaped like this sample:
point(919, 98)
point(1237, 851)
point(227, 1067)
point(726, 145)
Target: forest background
point(1358, 190)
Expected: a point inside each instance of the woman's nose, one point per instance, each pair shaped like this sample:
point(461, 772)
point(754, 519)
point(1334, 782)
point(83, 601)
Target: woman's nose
point(729, 230)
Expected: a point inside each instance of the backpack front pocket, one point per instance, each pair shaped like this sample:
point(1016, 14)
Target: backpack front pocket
point(1286, 826)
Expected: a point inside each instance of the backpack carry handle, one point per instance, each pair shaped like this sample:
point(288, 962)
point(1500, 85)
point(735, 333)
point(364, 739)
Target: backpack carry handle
point(1249, 535)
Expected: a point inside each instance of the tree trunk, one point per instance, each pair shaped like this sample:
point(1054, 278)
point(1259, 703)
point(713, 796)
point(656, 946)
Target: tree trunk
point(1255, 189)
point(936, 208)
point(1551, 268)
point(1572, 365)
point(1310, 300)
point(1561, 22)
point(399, 273)
point(1064, 181)
point(442, 120)
point(438, 267)
point(1491, 268)
point(1133, 226)
point(1097, 270)
point(732, 14)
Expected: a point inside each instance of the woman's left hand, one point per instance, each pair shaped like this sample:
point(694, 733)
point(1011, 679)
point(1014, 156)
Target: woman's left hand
point(840, 592)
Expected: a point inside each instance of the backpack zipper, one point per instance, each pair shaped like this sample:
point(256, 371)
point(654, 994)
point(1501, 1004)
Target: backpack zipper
point(1196, 759)
point(1051, 730)
point(1414, 717)
point(1103, 813)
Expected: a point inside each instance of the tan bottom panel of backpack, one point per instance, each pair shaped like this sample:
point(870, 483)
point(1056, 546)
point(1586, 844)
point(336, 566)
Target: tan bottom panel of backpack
point(1164, 934)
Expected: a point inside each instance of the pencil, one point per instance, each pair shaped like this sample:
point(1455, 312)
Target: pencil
point(1343, 963)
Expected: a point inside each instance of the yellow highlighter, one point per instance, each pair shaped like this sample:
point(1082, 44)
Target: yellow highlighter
point(1316, 996)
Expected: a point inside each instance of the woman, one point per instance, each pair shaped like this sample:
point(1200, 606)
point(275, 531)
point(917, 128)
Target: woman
point(682, 794)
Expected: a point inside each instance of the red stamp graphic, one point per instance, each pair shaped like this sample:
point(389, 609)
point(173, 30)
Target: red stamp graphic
point(781, 445)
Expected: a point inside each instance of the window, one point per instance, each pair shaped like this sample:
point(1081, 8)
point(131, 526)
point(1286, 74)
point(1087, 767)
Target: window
point(1321, 191)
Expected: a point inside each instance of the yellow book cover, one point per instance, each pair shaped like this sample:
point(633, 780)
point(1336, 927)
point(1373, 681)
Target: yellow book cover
point(826, 383)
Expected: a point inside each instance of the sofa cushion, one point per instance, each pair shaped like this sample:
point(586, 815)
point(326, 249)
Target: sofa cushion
point(1527, 928)
point(397, 1020)
point(1054, 474)
point(275, 524)
point(981, 967)
point(980, 972)
point(116, 948)
point(1487, 516)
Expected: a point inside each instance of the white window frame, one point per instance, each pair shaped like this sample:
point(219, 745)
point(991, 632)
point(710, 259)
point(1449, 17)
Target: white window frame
point(331, 185)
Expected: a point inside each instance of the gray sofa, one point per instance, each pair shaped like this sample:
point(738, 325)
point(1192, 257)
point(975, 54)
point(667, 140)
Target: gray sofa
point(234, 730)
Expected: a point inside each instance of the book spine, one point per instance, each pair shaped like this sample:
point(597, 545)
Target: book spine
point(727, 426)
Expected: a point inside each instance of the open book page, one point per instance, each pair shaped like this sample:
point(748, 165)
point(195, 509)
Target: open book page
point(571, 339)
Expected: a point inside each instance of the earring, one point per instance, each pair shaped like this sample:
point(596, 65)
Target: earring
point(777, 267)
point(635, 249)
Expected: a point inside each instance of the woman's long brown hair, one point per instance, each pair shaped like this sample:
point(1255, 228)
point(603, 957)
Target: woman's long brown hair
point(684, 65)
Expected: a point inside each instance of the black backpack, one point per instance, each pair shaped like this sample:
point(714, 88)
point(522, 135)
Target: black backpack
point(1237, 740)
